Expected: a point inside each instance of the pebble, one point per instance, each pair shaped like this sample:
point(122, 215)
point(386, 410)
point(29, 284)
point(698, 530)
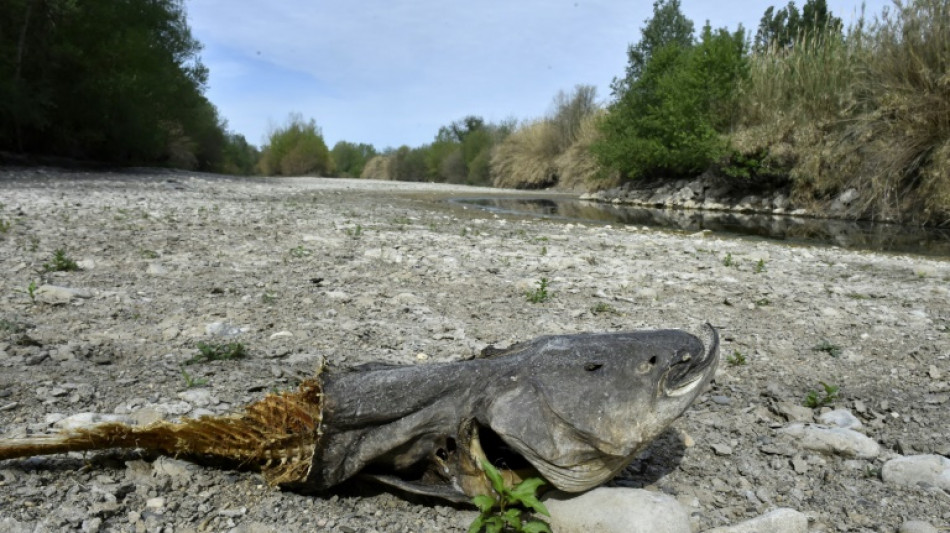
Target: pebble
point(794, 412)
point(921, 471)
point(916, 526)
point(616, 510)
point(841, 418)
point(56, 295)
point(782, 520)
point(833, 440)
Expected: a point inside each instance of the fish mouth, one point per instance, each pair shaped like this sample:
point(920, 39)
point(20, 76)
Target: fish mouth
point(690, 370)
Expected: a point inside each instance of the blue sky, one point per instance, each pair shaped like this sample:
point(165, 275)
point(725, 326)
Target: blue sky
point(391, 73)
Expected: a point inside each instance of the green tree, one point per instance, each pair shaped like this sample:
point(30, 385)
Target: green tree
point(296, 149)
point(349, 159)
point(668, 123)
point(667, 26)
point(238, 156)
point(115, 81)
point(783, 27)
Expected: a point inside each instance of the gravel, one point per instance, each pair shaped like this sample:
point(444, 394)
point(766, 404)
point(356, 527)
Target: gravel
point(306, 270)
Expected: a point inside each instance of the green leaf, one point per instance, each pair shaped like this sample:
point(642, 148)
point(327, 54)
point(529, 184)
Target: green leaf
point(527, 487)
point(495, 477)
point(484, 502)
point(513, 518)
point(533, 503)
point(536, 526)
point(494, 524)
point(477, 524)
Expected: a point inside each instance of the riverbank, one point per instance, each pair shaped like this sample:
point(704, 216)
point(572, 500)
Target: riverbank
point(301, 270)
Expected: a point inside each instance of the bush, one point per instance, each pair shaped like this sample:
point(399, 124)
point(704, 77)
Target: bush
point(377, 168)
point(296, 149)
point(349, 159)
point(668, 122)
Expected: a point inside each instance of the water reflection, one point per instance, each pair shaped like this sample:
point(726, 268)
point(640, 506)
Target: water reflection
point(846, 234)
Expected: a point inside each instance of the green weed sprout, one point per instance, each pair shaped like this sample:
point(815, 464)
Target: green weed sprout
point(813, 398)
point(505, 509)
point(540, 294)
point(218, 352)
point(60, 262)
point(191, 382)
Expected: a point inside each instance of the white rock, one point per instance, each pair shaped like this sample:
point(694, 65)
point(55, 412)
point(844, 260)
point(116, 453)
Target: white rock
point(155, 504)
point(916, 526)
point(841, 418)
point(918, 471)
point(86, 264)
point(85, 420)
point(281, 334)
point(782, 520)
point(338, 296)
point(223, 329)
point(156, 269)
point(56, 295)
point(616, 510)
point(199, 397)
point(834, 440)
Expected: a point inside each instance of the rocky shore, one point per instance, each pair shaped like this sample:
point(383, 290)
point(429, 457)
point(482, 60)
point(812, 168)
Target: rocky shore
point(305, 270)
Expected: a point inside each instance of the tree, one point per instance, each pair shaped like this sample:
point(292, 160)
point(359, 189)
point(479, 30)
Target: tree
point(117, 81)
point(668, 123)
point(296, 149)
point(784, 27)
point(349, 159)
point(667, 26)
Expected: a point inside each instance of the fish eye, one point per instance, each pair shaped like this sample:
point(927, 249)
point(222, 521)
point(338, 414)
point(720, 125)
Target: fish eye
point(646, 366)
point(653, 361)
point(592, 367)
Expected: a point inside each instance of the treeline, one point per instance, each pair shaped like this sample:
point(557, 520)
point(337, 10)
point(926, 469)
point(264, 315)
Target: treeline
point(116, 82)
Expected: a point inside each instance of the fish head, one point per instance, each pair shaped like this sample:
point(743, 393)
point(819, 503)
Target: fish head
point(578, 408)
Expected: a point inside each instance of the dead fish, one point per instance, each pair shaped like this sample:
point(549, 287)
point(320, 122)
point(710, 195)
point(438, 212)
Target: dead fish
point(572, 409)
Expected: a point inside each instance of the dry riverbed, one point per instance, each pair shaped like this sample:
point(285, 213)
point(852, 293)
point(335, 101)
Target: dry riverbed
point(298, 270)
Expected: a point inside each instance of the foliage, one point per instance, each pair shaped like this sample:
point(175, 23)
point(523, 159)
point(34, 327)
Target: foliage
point(238, 157)
point(120, 82)
point(504, 509)
point(736, 359)
point(540, 294)
point(668, 26)
point(816, 399)
point(60, 262)
point(191, 381)
point(296, 149)
point(669, 119)
point(349, 159)
point(218, 352)
point(786, 27)
point(831, 349)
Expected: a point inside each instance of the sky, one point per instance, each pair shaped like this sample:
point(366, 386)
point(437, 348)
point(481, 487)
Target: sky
point(390, 73)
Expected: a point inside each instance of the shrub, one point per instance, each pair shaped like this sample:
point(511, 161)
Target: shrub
point(349, 159)
point(297, 148)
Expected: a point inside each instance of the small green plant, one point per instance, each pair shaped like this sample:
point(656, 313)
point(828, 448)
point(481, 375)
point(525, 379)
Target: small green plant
point(269, 298)
point(5, 226)
point(31, 291)
point(300, 251)
point(824, 346)
point(540, 294)
point(149, 254)
point(505, 509)
point(762, 302)
point(736, 359)
point(60, 262)
point(544, 250)
point(34, 243)
point(728, 261)
point(192, 382)
point(603, 308)
point(760, 266)
point(816, 399)
point(356, 232)
point(463, 232)
point(218, 352)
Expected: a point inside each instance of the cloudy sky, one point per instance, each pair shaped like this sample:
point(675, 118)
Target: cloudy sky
point(390, 73)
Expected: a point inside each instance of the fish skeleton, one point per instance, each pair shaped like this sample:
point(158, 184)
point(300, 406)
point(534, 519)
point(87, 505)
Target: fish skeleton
point(572, 409)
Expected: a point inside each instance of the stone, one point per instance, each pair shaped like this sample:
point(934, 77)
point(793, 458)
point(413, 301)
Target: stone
point(783, 520)
point(794, 412)
point(617, 510)
point(56, 295)
point(916, 526)
point(85, 420)
point(919, 471)
point(841, 418)
point(833, 440)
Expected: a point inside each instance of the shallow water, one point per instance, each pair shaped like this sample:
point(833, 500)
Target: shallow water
point(861, 235)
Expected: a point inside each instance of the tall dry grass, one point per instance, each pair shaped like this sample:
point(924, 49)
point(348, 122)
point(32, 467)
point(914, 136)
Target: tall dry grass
point(553, 150)
point(378, 168)
point(869, 111)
